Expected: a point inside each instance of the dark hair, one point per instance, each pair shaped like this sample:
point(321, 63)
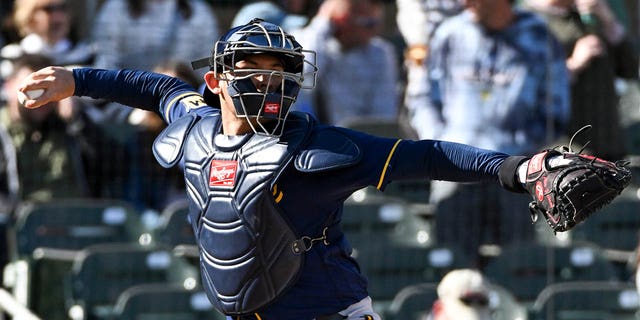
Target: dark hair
point(138, 7)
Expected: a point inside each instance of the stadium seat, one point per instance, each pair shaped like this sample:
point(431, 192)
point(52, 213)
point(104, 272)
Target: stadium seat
point(73, 224)
point(615, 226)
point(367, 215)
point(390, 267)
point(47, 272)
point(45, 238)
point(415, 228)
point(414, 301)
point(526, 268)
point(164, 301)
point(101, 273)
point(591, 300)
point(365, 210)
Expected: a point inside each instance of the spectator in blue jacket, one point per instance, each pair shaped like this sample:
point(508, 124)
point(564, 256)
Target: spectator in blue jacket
point(495, 78)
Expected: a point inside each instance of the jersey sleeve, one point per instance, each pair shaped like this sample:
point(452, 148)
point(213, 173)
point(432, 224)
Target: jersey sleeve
point(170, 97)
point(443, 160)
point(385, 160)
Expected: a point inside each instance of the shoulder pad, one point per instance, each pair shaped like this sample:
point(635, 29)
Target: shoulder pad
point(167, 147)
point(328, 149)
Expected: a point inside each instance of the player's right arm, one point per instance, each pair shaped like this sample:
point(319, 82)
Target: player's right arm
point(139, 89)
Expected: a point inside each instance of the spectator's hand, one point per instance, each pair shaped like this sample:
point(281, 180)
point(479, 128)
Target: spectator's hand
point(57, 82)
point(612, 29)
point(598, 8)
point(586, 48)
point(335, 10)
point(586, 6)
point(416, 54)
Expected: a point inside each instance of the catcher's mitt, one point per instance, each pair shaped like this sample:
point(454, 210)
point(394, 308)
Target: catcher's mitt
point(573, 186)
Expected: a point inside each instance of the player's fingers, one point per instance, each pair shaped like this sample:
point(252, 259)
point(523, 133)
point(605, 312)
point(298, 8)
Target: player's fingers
point(34, 94)
point(34, 81)
point(29, 101)
point(46, 85)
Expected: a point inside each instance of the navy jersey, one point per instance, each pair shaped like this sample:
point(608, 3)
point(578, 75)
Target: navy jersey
point(330, 280)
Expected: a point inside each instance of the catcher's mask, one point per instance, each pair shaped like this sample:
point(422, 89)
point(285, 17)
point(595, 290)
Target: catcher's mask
point(260, 37)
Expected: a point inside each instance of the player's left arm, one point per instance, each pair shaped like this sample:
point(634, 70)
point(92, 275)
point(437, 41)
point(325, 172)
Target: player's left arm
point(566, 187)
point(385, 160)
point(442, 160)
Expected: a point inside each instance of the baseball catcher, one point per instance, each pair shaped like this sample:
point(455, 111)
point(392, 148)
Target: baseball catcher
point(267, 185)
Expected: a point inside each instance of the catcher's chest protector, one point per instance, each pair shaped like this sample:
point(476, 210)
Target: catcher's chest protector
point(246, 255)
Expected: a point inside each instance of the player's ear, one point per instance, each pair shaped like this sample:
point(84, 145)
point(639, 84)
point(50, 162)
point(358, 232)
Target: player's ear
point(212, 82)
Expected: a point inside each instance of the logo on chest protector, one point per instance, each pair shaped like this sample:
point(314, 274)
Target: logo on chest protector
point(223, 173)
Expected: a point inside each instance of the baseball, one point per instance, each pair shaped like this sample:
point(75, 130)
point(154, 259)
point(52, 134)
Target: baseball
point(29, 95)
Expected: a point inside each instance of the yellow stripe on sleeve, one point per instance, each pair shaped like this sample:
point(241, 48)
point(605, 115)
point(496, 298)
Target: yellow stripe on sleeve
point(386, 164)
point(196, 101)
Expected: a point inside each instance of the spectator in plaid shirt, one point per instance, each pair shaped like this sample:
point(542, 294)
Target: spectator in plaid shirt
point(359, 68)
point(495, 78)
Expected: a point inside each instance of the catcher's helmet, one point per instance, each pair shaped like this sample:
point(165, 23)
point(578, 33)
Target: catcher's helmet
point(260, 37)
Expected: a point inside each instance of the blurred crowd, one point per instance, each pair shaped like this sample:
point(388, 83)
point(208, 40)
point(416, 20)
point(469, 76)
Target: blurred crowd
point(509, 75)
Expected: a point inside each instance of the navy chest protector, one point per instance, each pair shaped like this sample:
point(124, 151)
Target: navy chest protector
point(249, 252)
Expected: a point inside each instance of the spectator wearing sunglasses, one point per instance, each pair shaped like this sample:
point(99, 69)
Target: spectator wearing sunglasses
point(359, 68)
point(44, 27)
point(462, 294)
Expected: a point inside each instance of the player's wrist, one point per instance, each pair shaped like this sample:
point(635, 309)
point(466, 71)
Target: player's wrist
point(509, 173)
point(521, 173)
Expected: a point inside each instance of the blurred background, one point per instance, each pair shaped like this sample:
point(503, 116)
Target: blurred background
point(92, 228)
